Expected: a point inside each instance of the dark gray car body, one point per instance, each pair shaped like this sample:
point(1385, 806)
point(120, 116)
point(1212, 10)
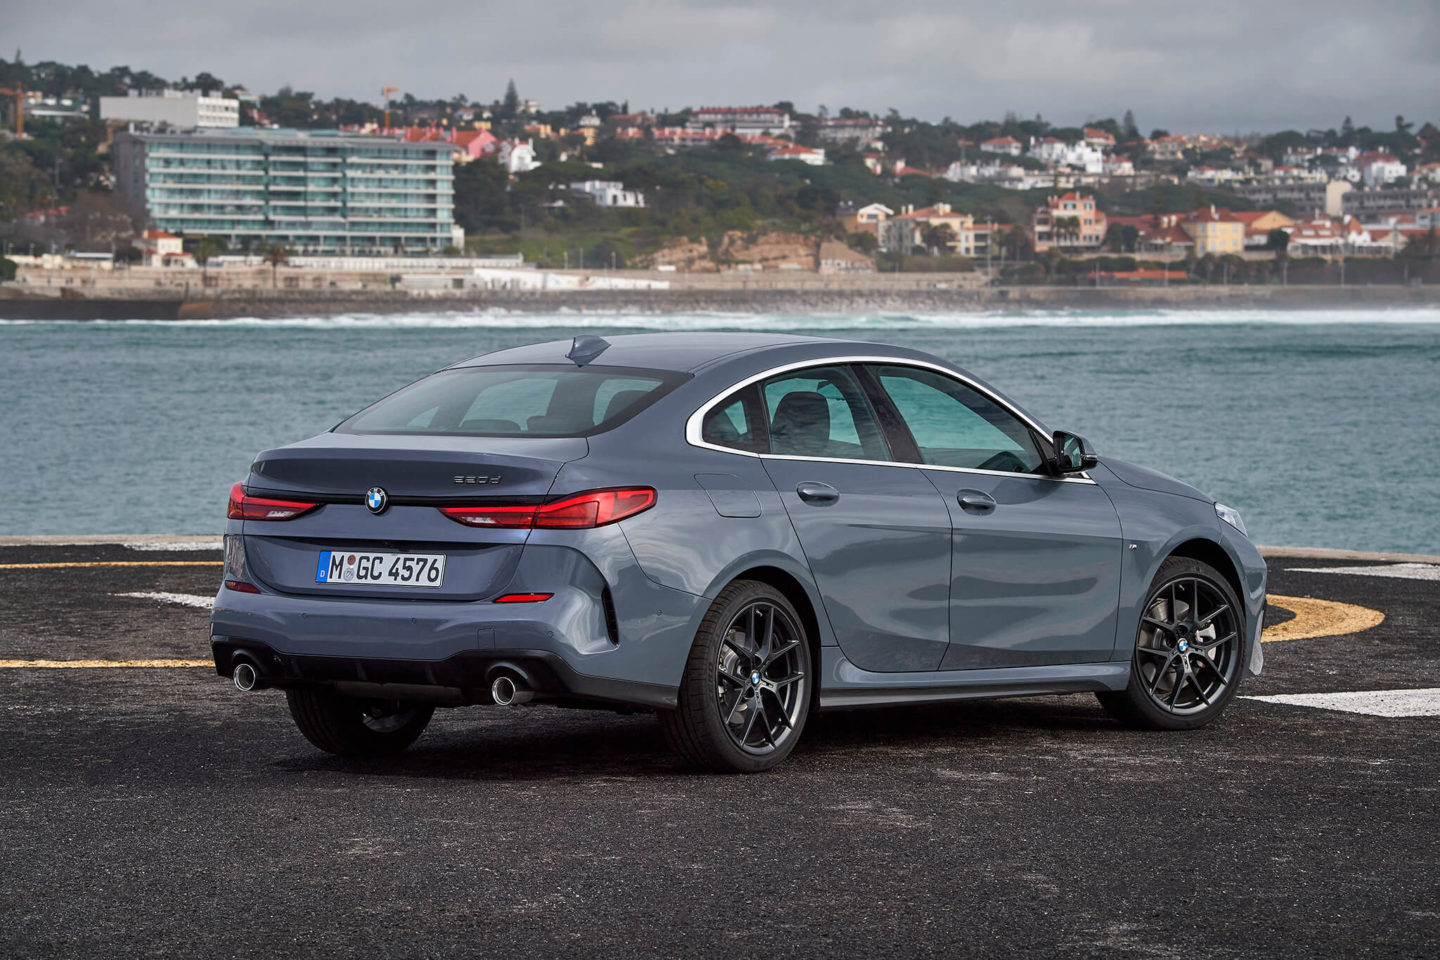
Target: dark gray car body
point(909, 595)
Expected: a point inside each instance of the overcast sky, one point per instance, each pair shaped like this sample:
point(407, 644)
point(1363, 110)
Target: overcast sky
point(1204, 65)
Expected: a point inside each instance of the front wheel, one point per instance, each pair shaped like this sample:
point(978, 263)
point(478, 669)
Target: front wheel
point(745, 692)
point(352, 727)
point(1189, 650)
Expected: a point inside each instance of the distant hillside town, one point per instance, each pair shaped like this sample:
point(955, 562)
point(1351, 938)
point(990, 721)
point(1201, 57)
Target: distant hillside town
point(126, 168)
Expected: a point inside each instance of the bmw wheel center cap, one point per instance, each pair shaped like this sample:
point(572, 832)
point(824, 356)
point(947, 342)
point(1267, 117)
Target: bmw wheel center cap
point(376, 499)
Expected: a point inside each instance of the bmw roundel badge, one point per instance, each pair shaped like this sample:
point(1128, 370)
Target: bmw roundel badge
point(376, 499)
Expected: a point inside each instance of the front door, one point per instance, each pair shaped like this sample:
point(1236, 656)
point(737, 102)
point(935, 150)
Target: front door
point(876, 534)
point(1035, 568)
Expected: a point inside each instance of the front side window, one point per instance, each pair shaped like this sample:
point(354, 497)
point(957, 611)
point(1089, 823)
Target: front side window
point(822, 412)
point(957, 426)
point(516, 401)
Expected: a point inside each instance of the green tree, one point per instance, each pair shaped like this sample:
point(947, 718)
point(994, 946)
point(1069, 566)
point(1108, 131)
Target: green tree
point(862, 241)
point(482, 200)
point(275, 254)
point(8, 269)
point(1277, 240)
point(207, 249)
point(1015, 243)
point(510, 106)
point(1128, 129)
point(129, 255)
point(937, 236)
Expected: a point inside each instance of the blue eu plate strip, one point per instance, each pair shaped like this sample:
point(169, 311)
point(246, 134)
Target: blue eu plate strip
point(322, 572)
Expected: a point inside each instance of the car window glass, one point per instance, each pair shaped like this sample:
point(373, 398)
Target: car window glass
point(728, 425)
point(512, 401)
point(957, 426)
point(822, 412)
point(516, 401)
point(617, 394)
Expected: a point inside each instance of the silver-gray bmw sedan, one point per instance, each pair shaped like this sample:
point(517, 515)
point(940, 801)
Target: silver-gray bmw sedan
point(733, 530)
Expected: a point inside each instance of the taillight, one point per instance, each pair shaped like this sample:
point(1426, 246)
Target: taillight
point(245, 507)
point(594, 508)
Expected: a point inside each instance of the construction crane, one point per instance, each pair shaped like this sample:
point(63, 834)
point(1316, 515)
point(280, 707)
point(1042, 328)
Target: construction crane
point(385, 94)
point(21, 95)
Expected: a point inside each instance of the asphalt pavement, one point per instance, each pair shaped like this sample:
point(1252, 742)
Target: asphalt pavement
point(156, 811)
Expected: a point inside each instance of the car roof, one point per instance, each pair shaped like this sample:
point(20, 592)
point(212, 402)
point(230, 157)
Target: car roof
point(682, 352)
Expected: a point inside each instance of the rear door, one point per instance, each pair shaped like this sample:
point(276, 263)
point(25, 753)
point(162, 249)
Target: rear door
point(876, 535)
point(1035, 568)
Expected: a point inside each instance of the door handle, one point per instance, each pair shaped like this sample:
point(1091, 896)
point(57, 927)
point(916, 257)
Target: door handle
point(975, 501)
point(813, 491)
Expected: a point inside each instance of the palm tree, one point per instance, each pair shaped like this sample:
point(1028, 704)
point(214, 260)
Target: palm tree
point(936, 236)
point(206, 250)
point(274, 254)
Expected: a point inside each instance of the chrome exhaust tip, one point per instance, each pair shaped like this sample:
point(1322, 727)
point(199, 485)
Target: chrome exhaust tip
point(245, 676)
point(508, 692)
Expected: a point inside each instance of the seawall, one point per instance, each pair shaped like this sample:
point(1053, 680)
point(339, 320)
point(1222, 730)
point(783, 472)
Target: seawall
point(803, 297)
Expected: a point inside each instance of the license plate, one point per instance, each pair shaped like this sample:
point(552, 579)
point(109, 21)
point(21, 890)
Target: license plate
point(381, 569)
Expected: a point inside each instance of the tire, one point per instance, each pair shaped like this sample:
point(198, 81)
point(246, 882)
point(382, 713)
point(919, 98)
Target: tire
point(352, 727)
point(1185, 668)
point(746, 690)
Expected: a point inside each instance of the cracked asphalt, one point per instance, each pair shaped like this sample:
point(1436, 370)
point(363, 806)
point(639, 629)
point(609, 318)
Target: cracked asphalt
point(158, 812)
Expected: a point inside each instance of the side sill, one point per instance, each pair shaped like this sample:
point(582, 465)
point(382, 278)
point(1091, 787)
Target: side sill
point(846, 686)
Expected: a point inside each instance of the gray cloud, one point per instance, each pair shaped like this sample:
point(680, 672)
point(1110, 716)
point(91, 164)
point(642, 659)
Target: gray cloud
point(1216, 65)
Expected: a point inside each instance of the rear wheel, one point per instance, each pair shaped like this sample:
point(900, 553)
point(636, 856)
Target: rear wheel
point(1189, 650)
point(352, 727)
point(745, 693)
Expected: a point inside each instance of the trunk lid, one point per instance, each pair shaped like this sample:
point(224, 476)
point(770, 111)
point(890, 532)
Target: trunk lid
point(418, 475)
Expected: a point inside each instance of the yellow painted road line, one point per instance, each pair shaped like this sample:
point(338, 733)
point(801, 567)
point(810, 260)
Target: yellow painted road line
point(113, 563)
point(1320, 618)
point(91, 664)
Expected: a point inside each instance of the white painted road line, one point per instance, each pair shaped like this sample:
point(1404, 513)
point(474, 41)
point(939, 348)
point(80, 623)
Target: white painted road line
point(1375, 703)
point(183, 599)
point(1404, 571)
point(214, 544)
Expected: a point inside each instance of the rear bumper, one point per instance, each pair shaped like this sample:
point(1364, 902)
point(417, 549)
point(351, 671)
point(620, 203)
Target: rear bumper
point(463, 678)
point(573, 647)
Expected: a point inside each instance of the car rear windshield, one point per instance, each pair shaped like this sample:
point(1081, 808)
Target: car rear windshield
point(516, 401)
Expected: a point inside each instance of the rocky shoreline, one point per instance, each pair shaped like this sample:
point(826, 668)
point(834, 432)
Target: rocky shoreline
point(800, 299)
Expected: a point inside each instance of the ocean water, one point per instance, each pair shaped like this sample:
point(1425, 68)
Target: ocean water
point(1322, 427)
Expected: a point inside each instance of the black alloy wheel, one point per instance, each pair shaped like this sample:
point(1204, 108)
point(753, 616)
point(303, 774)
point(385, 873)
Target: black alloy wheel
point(1189, 650)
point(760, 680)
point(746, 690)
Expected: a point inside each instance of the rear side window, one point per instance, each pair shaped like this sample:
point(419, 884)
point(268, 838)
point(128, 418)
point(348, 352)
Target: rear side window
point(822, 412)
point(736, 423)
point(516, 401)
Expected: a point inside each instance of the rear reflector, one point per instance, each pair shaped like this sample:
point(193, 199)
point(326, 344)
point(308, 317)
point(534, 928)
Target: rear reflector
point(240, 586)
point(245, 507)
point(523, 597)
point(594, 508)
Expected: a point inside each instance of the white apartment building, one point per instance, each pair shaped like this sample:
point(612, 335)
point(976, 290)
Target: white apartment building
point(1058, 153)
point(177, 109)
point(610, 193)
point(753, 121)
point(518, 156)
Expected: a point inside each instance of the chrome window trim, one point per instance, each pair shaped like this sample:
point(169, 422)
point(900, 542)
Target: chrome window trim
point(693, 424)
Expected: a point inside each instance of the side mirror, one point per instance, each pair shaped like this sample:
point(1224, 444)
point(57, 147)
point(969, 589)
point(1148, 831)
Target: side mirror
point(1073, 454)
